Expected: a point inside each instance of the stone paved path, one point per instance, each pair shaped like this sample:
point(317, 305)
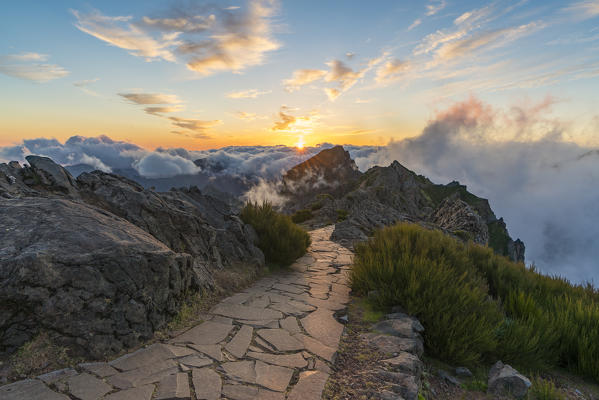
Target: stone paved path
point(275, 340)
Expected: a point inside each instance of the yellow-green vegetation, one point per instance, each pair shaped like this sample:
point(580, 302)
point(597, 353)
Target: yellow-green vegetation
point(281, 241)
point(342, 215)
point(301, 215)
point(39, 355)
point(316, 206)
point(543, 389)
point(478, 306)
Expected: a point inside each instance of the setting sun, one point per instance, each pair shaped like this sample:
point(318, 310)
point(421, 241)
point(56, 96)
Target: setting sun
point(300, 143)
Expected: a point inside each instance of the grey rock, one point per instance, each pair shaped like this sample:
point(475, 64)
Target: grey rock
point(503, 380)
point(447, 377)
point(456, 216)
point(102, 260)
point(406, 362)
point(463, 372)
point(141, 393)
point(240, 342)
point(310, 386)
point(393, 344)
point(405, 327)
point(403, 384)
point(281, 339)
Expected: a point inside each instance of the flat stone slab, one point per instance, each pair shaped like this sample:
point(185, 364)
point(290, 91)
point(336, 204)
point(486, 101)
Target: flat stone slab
point(87, 387)
point(273, 377)
point(142, 357)
point(140, 393)
point(316, 347)
point(243, 392)
point(29, 389)
point(288, 288)
point(206, 383)
point(295, 360)
point(310, 386)
point(240, 370)
point(322, 326)
point(281, 339)
point(100, 369)
point(174, 387)
point(195, 361)
point(208, 332)
point(290, 325)
point(240, 342)
point(143, 376)
point(211, 350)
point(240, 311)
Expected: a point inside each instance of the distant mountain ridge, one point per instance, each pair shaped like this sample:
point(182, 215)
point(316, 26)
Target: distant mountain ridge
point(334, 190)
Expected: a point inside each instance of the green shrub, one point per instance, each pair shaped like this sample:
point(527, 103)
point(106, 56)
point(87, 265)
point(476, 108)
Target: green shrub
point(316, 206)
point(424, 272)
point(342, 215)
point(476, 304)
point(301, 215)
point(281, 241)
point(542, 389)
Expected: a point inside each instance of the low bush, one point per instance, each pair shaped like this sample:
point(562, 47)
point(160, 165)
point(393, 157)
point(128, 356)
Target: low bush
point(281, 241)
point(342, 215)
point(476, 305)
point(542, 389)
point(301, 215)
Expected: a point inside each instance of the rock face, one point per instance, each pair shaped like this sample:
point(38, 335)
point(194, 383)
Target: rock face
point(101, 263)
point(330, 185)
point(505, 380)
point(457, 217)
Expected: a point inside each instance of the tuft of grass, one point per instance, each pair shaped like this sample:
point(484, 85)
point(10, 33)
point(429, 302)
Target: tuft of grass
point(342, 215)
point(281, 241)
point(475, 384)
point(301, 215)
point(543, 389)
point(476, 305)
point(39, 355)
point(316, 206)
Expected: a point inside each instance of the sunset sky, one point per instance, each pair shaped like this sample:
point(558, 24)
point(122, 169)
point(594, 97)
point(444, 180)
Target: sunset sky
point(194, 75)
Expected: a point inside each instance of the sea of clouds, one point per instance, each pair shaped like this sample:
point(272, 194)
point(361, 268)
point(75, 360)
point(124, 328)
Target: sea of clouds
point(544, 185)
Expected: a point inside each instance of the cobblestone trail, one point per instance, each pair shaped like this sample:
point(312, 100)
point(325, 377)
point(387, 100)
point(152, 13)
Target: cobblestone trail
point(275, 340)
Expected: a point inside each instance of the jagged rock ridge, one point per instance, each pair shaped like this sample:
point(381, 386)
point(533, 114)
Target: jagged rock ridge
point(383, 196)
point(100, 262)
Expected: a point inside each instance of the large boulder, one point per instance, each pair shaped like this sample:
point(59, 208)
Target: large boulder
point(100, 262)
point(96, 280)
point(505, 380)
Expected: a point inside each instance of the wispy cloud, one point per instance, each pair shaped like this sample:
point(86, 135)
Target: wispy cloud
point(150, 98)
point(120, 32)
point(303, 77)
point(286, 120)
point(197, 126)
point(247, 116)
point(431, 9)
point(391, 69)
point(585, 9)
point(29, 66)
point(158, 110)
point(208, 38)
point(345, 77)
point(247, 94)
point(84, 86)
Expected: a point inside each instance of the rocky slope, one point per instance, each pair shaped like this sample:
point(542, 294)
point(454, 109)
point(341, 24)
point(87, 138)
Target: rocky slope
point(360, 202)
point(102, 263)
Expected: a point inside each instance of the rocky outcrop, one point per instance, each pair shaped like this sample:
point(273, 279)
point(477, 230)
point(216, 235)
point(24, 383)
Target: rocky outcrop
point(331, 187)
point(505, 380)
point(100, 262)
point(458, 218)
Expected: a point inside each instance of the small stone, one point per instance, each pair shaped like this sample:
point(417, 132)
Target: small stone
point(448, 378)
point(463, 372)
point(504, 379)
